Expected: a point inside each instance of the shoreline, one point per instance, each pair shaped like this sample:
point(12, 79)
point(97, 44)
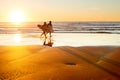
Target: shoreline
point(94, 32)
point(62, 39)
point(86, 32)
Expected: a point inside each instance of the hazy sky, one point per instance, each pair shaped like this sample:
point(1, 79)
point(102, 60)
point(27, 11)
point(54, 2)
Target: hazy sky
point(63, 10)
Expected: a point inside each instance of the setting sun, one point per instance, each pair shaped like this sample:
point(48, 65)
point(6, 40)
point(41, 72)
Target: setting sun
point(17, 16)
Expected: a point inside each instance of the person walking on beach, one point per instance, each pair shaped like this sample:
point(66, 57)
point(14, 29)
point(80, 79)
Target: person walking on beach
point(46, 28)
point(43, 28)
point(50, 27)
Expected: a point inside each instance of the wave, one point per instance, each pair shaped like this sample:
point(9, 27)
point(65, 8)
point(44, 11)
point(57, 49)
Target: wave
point(72, 27)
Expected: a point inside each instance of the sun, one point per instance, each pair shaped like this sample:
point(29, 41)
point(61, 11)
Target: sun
point(17, 16)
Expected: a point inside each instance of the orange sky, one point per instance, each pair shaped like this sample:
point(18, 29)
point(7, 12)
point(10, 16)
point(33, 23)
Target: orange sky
point(62, 10)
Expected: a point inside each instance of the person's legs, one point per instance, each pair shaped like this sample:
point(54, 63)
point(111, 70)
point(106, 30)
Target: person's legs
point(42, 33)
point(50, 34)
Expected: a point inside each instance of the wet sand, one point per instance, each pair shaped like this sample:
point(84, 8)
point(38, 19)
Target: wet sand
point(59, 63)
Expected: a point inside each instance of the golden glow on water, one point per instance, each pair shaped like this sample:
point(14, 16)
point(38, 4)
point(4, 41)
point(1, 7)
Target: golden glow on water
point(17, 38)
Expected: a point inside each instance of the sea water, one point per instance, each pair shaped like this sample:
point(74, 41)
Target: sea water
point(65, 34)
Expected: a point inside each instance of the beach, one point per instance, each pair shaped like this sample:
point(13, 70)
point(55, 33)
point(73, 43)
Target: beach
point(60, 40)
point(72, 56)
point(35, 62)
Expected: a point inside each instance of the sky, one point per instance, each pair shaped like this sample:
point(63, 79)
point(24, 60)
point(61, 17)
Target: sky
point(62, 10)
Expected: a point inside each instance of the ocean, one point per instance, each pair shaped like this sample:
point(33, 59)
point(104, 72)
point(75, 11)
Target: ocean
point(65, 34)
point(62, 27)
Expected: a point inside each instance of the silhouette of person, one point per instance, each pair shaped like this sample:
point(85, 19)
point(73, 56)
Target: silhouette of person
point(44, 26)
point(50, 23)
point(50, 27)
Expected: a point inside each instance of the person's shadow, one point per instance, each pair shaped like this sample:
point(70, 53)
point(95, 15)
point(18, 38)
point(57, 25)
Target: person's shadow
point(48, 42)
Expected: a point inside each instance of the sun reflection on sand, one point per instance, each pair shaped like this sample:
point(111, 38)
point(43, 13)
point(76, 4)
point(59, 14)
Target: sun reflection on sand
point(17, 38)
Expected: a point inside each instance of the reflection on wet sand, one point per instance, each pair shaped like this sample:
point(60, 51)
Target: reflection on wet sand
point(47, 41)
point(59, 63)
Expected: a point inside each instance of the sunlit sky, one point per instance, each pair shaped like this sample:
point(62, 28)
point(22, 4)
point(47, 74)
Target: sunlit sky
point(62, 10)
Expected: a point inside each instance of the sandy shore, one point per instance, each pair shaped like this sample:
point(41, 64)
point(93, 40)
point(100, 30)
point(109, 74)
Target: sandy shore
point(59, 63)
